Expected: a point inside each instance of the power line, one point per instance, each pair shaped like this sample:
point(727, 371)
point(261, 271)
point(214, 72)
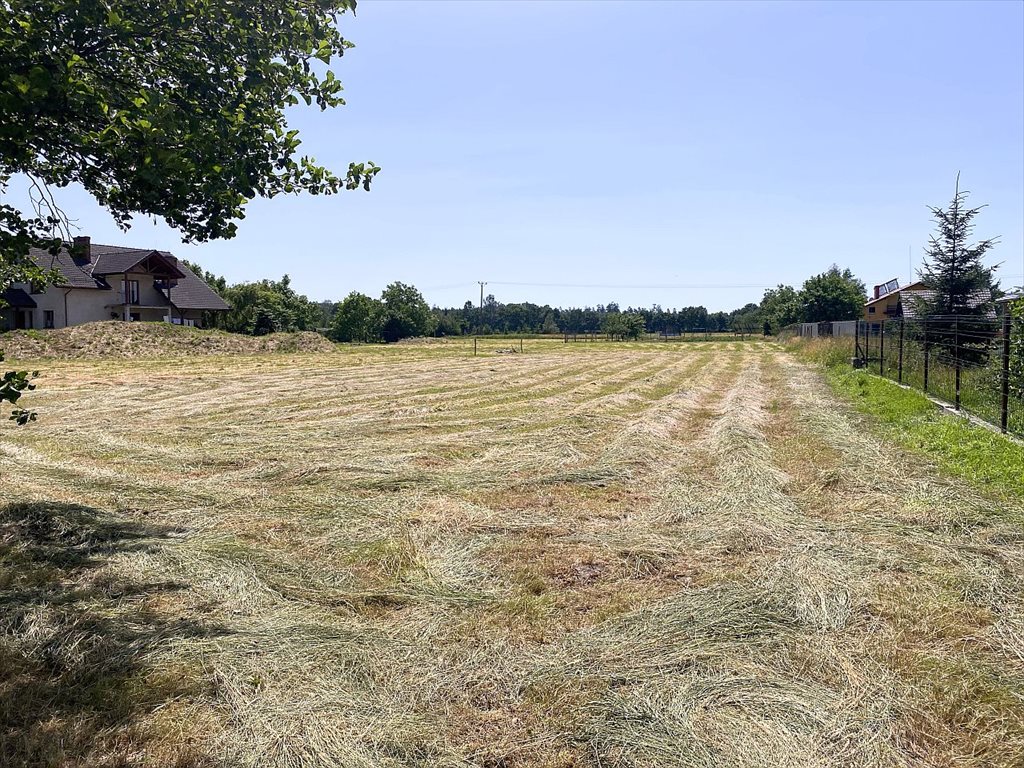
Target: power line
point(628, 286)
point(609, 286)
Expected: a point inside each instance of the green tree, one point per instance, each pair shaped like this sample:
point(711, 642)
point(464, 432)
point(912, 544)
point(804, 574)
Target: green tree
point(960, 302)
point(833, 295)
point(303, 314)
point(1016, 310)
point(170, 108)
point(780, 307)
point(614, 325)
point(747, 319)
point(356, 318)
point(953, 271)
point(404, 313)
point(173, 108)
point(448, 322)
point(256, 309)
point(635, 325)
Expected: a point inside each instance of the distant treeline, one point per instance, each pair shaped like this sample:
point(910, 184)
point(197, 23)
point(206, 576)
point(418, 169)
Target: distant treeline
point(526, 317)
point(270, 306)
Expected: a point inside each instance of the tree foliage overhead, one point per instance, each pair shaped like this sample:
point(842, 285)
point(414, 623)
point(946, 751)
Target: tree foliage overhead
point(12, 385)
point(169, 108)
point(173, 108)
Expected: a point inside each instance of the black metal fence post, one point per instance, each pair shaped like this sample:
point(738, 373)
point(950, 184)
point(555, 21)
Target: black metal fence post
point(881, 349)
point(1004, 394)
point(902, 322)
point(956, 351)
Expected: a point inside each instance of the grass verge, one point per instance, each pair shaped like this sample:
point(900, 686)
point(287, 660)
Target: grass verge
point(989, 461)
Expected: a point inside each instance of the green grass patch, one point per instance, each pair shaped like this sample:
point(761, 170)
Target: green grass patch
point(987, 460)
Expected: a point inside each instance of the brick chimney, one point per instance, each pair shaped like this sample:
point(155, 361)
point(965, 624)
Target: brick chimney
point(82, 248)
point(877, 288)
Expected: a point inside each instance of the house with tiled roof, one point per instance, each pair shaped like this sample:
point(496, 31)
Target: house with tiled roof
point(891, 300)
point(109, 282)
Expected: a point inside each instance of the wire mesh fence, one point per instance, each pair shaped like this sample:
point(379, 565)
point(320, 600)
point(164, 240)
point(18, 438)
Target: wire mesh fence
point(974, 363)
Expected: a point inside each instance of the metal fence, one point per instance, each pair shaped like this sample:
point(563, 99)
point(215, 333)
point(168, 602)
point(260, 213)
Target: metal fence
point(827, 329)
point(974, 363)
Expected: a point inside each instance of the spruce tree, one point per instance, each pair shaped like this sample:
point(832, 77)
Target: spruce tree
point(958, 302)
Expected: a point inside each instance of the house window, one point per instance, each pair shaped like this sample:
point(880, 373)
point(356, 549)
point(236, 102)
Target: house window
point(130, 291)
point(47, 318)
point(871, 310)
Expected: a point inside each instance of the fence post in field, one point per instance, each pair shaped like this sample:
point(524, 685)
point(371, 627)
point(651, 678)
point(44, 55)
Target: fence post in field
point(520, 345)
point(474, 346)
point(902, 323)
point(926, 355)
point(1004, 398)
point(881, 350)
point(956, 351)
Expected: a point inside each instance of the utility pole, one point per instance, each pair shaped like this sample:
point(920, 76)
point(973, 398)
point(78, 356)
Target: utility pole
point(482, 284)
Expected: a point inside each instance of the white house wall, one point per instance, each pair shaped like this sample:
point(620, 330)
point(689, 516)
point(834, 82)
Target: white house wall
point(84, 305)
point(90, 305)
point(87, 305)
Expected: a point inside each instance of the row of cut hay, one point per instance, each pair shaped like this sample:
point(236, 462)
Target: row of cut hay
point(116, 339)
point(387, 579)
point(940, 609)
point(707, 677)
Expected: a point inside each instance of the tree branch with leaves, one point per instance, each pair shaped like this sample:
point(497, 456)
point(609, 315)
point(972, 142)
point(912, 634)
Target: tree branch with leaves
point(168, 108)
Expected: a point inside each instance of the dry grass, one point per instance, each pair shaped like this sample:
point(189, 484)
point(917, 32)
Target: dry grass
point(599, 555)
point(116, 339)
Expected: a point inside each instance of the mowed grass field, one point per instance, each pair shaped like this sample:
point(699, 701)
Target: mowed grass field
point(584, 555)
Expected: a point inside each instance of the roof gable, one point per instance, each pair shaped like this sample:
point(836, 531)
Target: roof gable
point(187, 292)
point(157, 262)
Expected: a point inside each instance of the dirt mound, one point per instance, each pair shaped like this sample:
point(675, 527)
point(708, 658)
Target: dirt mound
point(114, 338)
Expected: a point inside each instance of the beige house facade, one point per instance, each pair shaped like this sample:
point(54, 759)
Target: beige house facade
point(104, 282)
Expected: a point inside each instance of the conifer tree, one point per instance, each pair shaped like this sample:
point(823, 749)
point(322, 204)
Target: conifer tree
point(958, 300)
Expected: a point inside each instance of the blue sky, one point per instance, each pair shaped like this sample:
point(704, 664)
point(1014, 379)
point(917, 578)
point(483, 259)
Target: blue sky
point(647, 149)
